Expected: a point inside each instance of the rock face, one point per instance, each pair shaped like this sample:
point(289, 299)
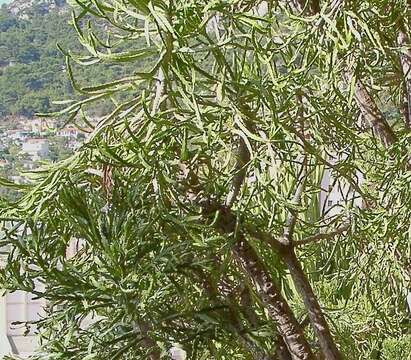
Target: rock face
point(23, 8)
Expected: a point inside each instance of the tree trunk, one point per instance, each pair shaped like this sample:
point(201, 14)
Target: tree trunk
point(311, 7)
point(150, 345)
point(233, 316)
point(373, 115)
point(315, 313)
point(278, 309)
point(281, 350)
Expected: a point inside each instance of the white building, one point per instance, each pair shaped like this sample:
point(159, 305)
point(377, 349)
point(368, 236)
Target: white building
point(336, 194)
point(177, 353)
point(18, 306)
point(37, 148)
point(17, 339)
point(68, 132)
point(40, 125)
point(17, 134)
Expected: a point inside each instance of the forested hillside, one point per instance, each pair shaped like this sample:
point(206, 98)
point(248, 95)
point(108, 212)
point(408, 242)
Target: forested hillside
point(32, 69)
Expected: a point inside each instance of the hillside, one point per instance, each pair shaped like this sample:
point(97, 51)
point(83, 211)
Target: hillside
point(32, 69)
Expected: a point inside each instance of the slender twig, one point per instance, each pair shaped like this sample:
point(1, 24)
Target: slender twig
point(160, 91)
point(243, 157)
point(373, 115)
point(293, 216)
point(323, 236)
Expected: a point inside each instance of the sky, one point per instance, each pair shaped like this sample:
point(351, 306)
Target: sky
point(4, 2)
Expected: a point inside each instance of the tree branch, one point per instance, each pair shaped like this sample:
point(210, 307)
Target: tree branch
point(160, 92)
point(249, 261)
point(151, 346)
point(373, 115)
point(291, 221)
point(232, 317)
point(243, 157)
point(322, 236)
point(311, 7)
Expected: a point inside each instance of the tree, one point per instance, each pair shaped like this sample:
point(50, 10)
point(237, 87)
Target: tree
point(32, 66)
point(197, 206)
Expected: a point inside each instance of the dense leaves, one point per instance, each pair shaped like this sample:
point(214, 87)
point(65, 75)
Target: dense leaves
point(237, 103)
point(32, 68)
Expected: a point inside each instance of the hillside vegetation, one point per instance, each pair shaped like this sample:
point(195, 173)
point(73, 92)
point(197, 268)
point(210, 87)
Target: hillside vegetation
point(32, 68)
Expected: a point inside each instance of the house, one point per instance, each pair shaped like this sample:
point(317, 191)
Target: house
point(68, 132)
point(27, 164)
point(37, 126)
point(40, 125)
point(17, 134)
point(74, 144)
point(18, 179)
point(37, 148)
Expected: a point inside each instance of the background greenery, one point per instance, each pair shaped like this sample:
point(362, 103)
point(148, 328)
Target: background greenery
point(32, 72)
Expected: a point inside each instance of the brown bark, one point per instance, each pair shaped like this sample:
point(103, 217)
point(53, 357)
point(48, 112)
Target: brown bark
point(322, 236)
point(276, 306)
point(236, 328)
point(281, 350)
point(285, 247)
point(289, 329)
point(278, 309)
point(311, 7)
point(315, 313)
point(372, 115)
point(404, 107)
point(243, 157)
point(248, 260)
point(149, 344)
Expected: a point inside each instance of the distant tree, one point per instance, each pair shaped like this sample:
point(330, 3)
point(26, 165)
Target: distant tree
point(36, 71)
point(27, 54)
point(198, 208)
point(6, 21)
point(13, 151)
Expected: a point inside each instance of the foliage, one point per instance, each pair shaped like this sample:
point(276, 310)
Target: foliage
point(141, 198)
point(32, 74)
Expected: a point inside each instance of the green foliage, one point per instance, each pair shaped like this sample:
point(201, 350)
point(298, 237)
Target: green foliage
point(397, 348)
point(33, 73)
point(139, 196)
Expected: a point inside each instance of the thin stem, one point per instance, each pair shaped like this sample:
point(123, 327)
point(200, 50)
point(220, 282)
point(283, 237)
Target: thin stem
point(322, 236)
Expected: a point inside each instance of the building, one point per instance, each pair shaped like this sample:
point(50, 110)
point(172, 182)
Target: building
point(37, 148)
point(20, 135)
point(17, 339)
point(18, 179)
point(177, 353)
point(68, 132)
point(26, 164)
point(40, 125)
point(336, 194)
point(18, 306)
